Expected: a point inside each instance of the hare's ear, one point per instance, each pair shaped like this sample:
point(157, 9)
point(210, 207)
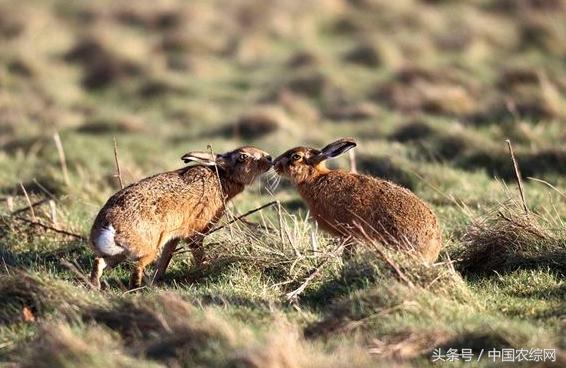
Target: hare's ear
point(203, 158)
point(334, 149)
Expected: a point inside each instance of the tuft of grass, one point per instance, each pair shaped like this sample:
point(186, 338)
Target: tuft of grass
point(26, 296)
point(63, 345)
point(508, 239)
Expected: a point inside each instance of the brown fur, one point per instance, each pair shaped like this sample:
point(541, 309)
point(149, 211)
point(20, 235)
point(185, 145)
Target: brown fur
point(153, 214)
point(341, 202)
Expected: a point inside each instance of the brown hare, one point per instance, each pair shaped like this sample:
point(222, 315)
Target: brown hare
point(342, 202)
point(155, 213)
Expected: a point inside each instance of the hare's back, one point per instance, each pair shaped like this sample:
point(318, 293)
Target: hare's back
point(161, 193)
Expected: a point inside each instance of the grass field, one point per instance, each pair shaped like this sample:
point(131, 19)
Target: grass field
point(430, 89)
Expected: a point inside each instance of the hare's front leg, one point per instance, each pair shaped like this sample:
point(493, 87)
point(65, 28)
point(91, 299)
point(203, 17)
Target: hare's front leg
point(165, 258)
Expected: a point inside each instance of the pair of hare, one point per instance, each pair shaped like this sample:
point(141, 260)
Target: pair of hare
point(150, 217)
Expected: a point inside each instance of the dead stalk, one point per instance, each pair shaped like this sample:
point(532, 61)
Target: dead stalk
point(239, 218)
point(352, 157)
point(280, 221)
point(29, 208)
point(549, 185)
point(62, 159)
point(10, 203)
point(71, 267)
point(118, 172)
point(47, 227)
point(293, 295)
point(30, 205)
point(518, 177)
point(53, 211)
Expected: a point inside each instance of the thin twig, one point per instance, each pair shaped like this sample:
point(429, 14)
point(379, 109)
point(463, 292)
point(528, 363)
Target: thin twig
point(134, 290)
point(280, 217)
point(45, 190)
point(30, 205)
point(241, 217)
point(71, 267)
point(53, 211)
point(518, 177)
point(5, 266)
point(29, 208)
point(62, 159)
point(118, 172)
point(549, 185)
point(10, 203)
point(293, 295)
point(47, 227)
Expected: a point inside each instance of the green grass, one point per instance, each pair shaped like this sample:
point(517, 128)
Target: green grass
point(429, 89)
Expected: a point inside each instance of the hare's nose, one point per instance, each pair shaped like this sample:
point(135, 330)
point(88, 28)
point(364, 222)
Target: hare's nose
point(269, 158)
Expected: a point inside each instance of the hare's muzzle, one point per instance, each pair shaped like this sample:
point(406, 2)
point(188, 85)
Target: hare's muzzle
point(278, 166)
point(265, 162)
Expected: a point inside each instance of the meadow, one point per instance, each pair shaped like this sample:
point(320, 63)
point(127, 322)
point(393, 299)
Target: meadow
point(430, 89)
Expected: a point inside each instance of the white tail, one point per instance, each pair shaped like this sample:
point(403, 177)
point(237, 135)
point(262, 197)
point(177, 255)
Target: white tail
point(104, 242)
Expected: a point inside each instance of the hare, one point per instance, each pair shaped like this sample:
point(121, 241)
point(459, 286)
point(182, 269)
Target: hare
point(351, 205)
point(155, 213)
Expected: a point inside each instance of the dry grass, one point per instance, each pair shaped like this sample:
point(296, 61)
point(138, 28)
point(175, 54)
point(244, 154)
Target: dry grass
point(507, 239)
point(25, 296)
point(430, 89)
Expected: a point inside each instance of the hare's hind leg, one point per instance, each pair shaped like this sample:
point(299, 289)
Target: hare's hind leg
point(137, 271)
point(97, 268)
point(101, 263)
point(165, 258)
point(197, 250)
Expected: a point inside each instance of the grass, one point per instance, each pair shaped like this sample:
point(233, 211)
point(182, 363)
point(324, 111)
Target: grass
point(430, 90)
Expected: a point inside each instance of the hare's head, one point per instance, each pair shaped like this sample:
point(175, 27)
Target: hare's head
point(301, 163)
point(241, 165)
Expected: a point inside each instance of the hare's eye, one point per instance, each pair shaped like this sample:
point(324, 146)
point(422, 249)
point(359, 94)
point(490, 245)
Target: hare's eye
point(296, 157)
point(242, 157)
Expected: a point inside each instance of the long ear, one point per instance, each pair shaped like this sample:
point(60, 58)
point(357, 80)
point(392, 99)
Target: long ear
point(203, 158)
point(334, 149)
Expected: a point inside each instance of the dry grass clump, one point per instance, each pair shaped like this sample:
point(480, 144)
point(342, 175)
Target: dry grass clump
point(101, 67)
point(412, 131)
point(352, 111)
point(284, 347)
point(103, 126)
point(61, 345)
point(522, 93)
point(299, 107)
point(407, 345)
point(166, 328)
point(313, 84)
point(283, 255)
point(261, 121)
point(305, 58)
point(365, 54)
point(26, 297)
point(10, 26)
point(441, 92)
point(382, 289)
point(507, 239)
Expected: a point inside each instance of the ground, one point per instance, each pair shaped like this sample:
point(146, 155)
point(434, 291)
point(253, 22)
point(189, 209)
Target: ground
point(429, 89)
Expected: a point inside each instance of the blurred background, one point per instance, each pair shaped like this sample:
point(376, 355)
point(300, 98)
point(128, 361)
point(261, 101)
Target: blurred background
point(429, 88)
